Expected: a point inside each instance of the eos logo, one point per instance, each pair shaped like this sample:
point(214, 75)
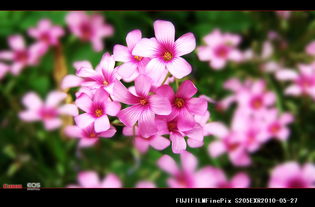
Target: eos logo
point(33, 186)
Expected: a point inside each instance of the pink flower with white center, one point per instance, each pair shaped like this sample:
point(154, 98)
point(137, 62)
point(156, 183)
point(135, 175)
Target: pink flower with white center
point(144, 106)
point(303, 80)
point(91, 28)
point(20, 55)
point(183, 105)
point(49, 112)
point(310, 48)
point(220, 48)
point(96, 109)
point(4, 68)
point(46, 33)
point(87, 134)
point(293, 175)
point(165, 52)
point(276, 124)
point(145, 184)
point(133, 65)
point(104, 76)
point(187, 175)
point(142, 144)
point(90, 179)
point(169, 125)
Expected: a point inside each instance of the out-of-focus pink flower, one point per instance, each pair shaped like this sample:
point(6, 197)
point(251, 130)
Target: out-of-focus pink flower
point(183, 105)
point(104, 76)
point(87, 134)
point(165, 52)
point(4, 68)
point(310, 48)
point(220, 48)
point(20, 55)
point(303, 80)
point(133, 65)
point(96, 109)
point(142, 144)
point(284, 14)
point(49, 112)
point(91, 28)
point(90, 179)
point(167, 125)
point(145, 184)
point(293, 175)
point(144, 105)
point(46, 33)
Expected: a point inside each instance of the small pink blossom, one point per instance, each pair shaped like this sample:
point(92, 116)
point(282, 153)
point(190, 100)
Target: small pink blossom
point(96, 109)
point(49, 112)
point(132, 65)
point(293, 175)
point(46, 33)
point(20, 55)
point(144, 105)
point(90, 179)
point(165, 52)
point(220, 48)
point(91, 28)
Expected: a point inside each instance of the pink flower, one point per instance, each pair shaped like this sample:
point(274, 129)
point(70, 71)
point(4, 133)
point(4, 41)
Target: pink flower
point(165, 52)
point(303, 80)
point(89, 28)
point(220, 47)
point(46, 33)
point(20, 55)
point(144, 106)
point(96, 109)
point(310, 48)
point(293, 175)
point(49, 112)
point(90, 179)
point(183, 105)
point(132, 65)
point(167, 125)
point(142, 144)
point(104, 76)
point(145, 184)
point(87, 134)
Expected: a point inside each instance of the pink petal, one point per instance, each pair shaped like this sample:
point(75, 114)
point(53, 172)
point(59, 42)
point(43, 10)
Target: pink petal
point(70, 81)
point(146, 48)
point(168, 164)
point(101, 124)
point(294, 90)
point(84, 120)
point(217, 129)
point(189, 161)
point(87, 142)
point(178, 143)
point(127, 69)
point(108, 133)
point(88, 179)
point(6, 55)
point(145, 184)
point(179, 68)
point(121, 94)
point(51, 124)
point(217, 63)
point(107, 63)
point(32, 101)
point(146, 124)
point(141, 144)
point(155, 69)
point(111, 181)
point(29, 116)
point(194, 143)
point(68, 109)
point(160, 105)
point(16, 68)
point(196, 133)
point(84, 102)
point(55, 97)
point(187, 89)
point(82, 64)
point(204, 52)
point(112, 108)
point(286, 75)
point(100, 96)
point(240, 180)
point(86, 72)
point(216, 148)
point(73, 131)
point(133, 38)
point(185, 120)
point(159, 142)
point(129, 116)
point(185, 44)
point(121, 53)
point(165, 91)
point(164, 31)
point(143, 85)
point(16, 42)
point(197, 106)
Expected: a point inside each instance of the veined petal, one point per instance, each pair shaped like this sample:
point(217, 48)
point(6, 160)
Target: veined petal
point(101, 124)
point(179, 67)
point(147, 126)
point(178, 143)
point(121, 94)
point(127, 69)
point(160, 105)
point(197, 106)
point(84, 120)
point(143, 85)
point(70, 81)
point(112, 108)
point(146, 48)
point(186, 120)
point(187, 89)
point(133, 38)
point(84, 102)
point(129, 116)
point(185, 44)
point(164, 31)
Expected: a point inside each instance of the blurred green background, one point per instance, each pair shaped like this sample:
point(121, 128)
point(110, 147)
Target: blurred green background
point(28, 153)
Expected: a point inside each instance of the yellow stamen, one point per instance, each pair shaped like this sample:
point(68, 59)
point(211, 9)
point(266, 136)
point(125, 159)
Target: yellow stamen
point(167, 56)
